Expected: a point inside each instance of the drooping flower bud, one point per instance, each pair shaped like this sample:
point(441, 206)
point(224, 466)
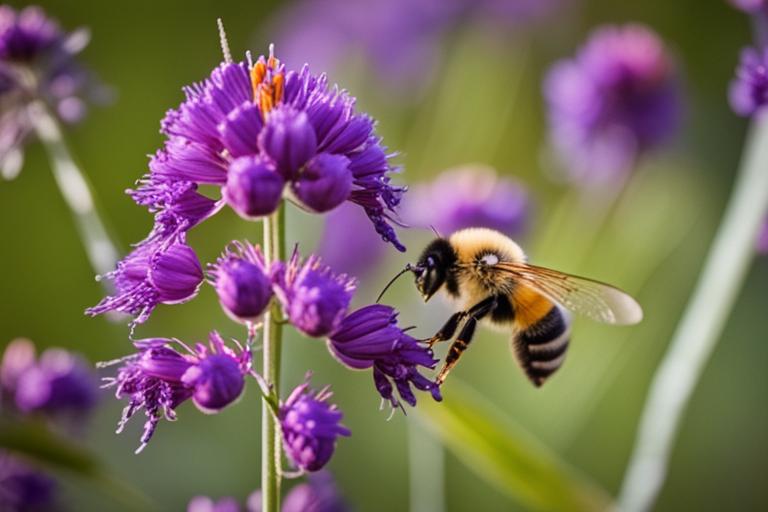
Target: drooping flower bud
point(242, 282)
point(289, 140)
point(325, 183)
point(254, 188)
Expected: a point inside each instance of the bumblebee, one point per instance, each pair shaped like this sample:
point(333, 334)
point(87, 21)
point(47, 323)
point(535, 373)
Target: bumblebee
point(487, 275)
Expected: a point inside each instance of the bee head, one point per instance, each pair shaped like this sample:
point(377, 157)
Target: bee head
point(431, 271)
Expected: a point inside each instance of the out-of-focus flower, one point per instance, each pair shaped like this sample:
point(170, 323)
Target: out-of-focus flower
point(615, 100)
point(370, 338)
point(749, 90)
point(469, 196)
point(146, 278)
point(159, 378)
point(310, 426)
point(25, 489)
point(242, 282)
point(750, 6)
point(59, 383)
point(37, 63)
point(314, 299)
point(347, 245)
point(206, 504)
point(762, 239)
point(400, 39)
point(260, 133)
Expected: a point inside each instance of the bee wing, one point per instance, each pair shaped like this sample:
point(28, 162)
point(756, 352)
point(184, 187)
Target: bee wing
point(596, 300)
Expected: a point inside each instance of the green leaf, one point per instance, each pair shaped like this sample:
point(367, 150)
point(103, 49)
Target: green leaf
point(35, 442)
point(506, 455)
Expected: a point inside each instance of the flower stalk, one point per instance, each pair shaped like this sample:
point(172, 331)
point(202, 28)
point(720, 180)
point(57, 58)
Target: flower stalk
point(702, 324)
point(274, 250)
point(76, 191)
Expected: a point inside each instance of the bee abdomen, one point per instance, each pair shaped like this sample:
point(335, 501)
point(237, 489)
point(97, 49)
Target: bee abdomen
point(540, 348)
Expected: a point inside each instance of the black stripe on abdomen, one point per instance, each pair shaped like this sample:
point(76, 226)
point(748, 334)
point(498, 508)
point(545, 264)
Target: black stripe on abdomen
point(540, 348)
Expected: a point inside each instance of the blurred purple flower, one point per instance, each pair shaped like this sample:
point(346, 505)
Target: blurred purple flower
point(59, 383)
point(616, 99)
point(159, 378)
point(37, 63)
point(318, 494)
point(400, 39)
point(762, 239)
point(206, 504)
point(370, 338)
point(347, 245)
point(310, 426)
point(749, 90)
point(242, 282)
point(25, 489)
point(750, 6)
point(470, 196)
point(314, 298)
point(146, 278)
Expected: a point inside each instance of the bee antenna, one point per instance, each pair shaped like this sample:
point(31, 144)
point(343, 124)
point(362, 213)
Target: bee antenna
point(435, 231)
point(408, 268)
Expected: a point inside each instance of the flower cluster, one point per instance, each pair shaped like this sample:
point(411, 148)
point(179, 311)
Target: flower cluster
point(165, 373)
point(37, 63)
point(617, 99)
point(261, 134)
point(318, 494)
point(469, 196)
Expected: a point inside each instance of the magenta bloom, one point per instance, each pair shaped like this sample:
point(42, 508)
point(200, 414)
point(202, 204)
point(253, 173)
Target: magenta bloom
point(159, 378)
point(370, 338)
point(310, 426)
point(749, 90)
point(146, 278)
point(472, 196)
point(314, 299)
point(37, 63)
point(616, 99)
point(261, 132)
point(242, 282)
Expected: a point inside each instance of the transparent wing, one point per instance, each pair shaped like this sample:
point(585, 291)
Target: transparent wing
point(596, 300)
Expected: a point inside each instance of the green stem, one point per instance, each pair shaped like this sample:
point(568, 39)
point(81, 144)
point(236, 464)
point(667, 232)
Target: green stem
point(76, 190)
point(702, 324)
point(274, 249)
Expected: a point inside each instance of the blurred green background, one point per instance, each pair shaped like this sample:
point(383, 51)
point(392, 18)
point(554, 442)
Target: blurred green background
point(652, 244)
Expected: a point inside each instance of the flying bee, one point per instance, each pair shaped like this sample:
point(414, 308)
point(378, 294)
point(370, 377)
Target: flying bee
point(487, 275)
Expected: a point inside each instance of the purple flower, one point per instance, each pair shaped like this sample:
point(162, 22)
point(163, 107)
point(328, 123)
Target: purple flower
point(750, 6)
point(347, 245)
point(254, 130)
point(749, 90)
point(762, 239)
point(471, 196)
point(242, 282)
point(159, 378)
point(314, 299)
point(615, 100)
point(146, 278)
point(37, 63)
point(206, 504)
point(18, 358)
point(370, 337)
point(24, 489)
point(318, 494)
point(310, 426)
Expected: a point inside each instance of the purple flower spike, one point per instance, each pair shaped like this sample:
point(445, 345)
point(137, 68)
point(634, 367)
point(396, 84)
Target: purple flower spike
point(310, 426)
point(145, 279)
point(37, 63)
point(254, 188)
point(242, 282)
point(325, 183)
point(159, 378)
point(313, 298)
point(468, 197)
point(60, 383)
point(370, 337)
point(618, 98)
point(749, 90)
point(289, 140)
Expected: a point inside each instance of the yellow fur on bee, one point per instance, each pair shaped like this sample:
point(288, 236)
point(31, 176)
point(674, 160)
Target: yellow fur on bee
point(530, 306)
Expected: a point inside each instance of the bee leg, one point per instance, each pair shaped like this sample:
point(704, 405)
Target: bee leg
point(477, 312)
point(448, 330)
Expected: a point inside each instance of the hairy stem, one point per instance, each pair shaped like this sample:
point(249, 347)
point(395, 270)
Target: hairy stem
point(274, 249)
point(76, 190)
point(702, 324)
